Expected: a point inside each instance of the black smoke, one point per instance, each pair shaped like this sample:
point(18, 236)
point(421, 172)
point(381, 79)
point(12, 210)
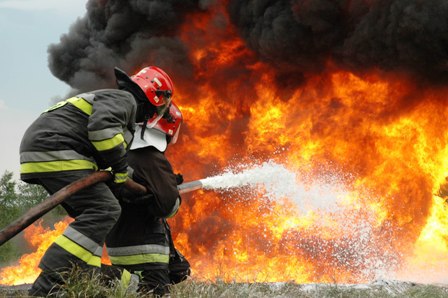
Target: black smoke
point(391, 35)
point(295, 36)
point(120, 33)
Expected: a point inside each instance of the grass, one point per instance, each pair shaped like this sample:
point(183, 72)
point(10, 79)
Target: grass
point(196, 289)
point(82, 284)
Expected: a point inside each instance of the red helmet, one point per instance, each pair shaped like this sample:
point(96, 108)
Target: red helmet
point(170, 122)
point(156, 85)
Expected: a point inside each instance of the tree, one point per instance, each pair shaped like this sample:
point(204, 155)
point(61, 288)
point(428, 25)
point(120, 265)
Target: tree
point(15, 199)
point(30, 195)
point(9, 210)
point(8, 199)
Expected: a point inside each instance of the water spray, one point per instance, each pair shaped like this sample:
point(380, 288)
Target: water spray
point(274, 178)
point(275, 182)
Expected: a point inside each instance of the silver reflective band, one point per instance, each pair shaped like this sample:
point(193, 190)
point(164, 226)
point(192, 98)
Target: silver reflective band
point(32, 156)
point(138, 249)
point(83, 241)
point(175, 208)
point(104, 134)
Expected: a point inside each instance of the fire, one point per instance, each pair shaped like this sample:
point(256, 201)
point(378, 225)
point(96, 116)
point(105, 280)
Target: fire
point(382, 137)
point(391, 161)
point(39, 238)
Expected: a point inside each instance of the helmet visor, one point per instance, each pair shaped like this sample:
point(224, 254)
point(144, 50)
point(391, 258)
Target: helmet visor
point(176, 135)
point(164, 96)
point(161, 111)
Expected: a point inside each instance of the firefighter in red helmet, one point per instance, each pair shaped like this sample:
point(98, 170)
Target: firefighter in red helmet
point(85, 133)
point(141, 240)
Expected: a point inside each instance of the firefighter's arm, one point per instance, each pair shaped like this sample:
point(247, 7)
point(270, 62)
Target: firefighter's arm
point(152, 169)
point(147, 200)
point(108, 129)
point(179, 180)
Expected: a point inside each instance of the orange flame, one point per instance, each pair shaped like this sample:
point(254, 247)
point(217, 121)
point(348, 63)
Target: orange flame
point(383, 137)
point(39, 238)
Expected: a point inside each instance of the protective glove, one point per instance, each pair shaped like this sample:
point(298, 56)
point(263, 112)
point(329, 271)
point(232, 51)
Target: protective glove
point(118, 182)
point(120, 177)
point(179, 179)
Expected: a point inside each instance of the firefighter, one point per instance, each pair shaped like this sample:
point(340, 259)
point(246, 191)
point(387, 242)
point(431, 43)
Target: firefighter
point(141, 240)
point(88, 132)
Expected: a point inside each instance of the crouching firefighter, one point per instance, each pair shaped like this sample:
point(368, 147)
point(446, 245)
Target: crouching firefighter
point(74, 138)
point(141, 240)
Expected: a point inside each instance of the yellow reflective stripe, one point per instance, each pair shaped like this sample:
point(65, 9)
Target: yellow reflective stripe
point(56, 166)
point(120, 177)
point(81, 104)
point(109, 143)
point(83, 240)
point(139, 259)
point(78, 251)
point(56, 106)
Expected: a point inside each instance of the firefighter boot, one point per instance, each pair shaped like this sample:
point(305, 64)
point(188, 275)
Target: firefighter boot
point(45, 284)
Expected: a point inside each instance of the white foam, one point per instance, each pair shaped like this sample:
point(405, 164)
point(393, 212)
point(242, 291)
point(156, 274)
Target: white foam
point(276, 182)
point(325, 194)
point(274, 177)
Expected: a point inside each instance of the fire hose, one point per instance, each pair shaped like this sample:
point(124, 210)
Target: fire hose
point(58, 197)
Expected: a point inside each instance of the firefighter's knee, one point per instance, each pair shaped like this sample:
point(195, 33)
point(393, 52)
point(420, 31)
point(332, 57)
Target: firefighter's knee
point(114, 211)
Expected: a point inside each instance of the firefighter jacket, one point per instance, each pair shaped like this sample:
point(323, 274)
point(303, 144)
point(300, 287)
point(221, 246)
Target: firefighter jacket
point(139, 239)
point(87, 132)
point(152, 169)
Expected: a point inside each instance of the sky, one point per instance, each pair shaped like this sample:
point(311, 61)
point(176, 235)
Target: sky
point(27, 87)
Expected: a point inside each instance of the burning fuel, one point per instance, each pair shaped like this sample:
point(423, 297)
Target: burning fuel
point(318, 208)
point(39, 238)
point(342, 102)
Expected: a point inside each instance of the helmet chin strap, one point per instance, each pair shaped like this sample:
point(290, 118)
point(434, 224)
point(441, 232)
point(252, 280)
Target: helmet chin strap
point(145, 122)
point(151, 125)
point(166, 114)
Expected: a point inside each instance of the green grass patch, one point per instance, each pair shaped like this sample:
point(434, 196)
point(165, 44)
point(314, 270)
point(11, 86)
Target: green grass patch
point(82, 284)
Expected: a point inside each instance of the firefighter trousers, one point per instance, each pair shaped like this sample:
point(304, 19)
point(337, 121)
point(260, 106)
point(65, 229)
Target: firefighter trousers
point(95, 210)
point(142, 244)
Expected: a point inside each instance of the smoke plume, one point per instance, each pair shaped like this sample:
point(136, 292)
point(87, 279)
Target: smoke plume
point(392, 35)
point(126, 34)
point(296, 37)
